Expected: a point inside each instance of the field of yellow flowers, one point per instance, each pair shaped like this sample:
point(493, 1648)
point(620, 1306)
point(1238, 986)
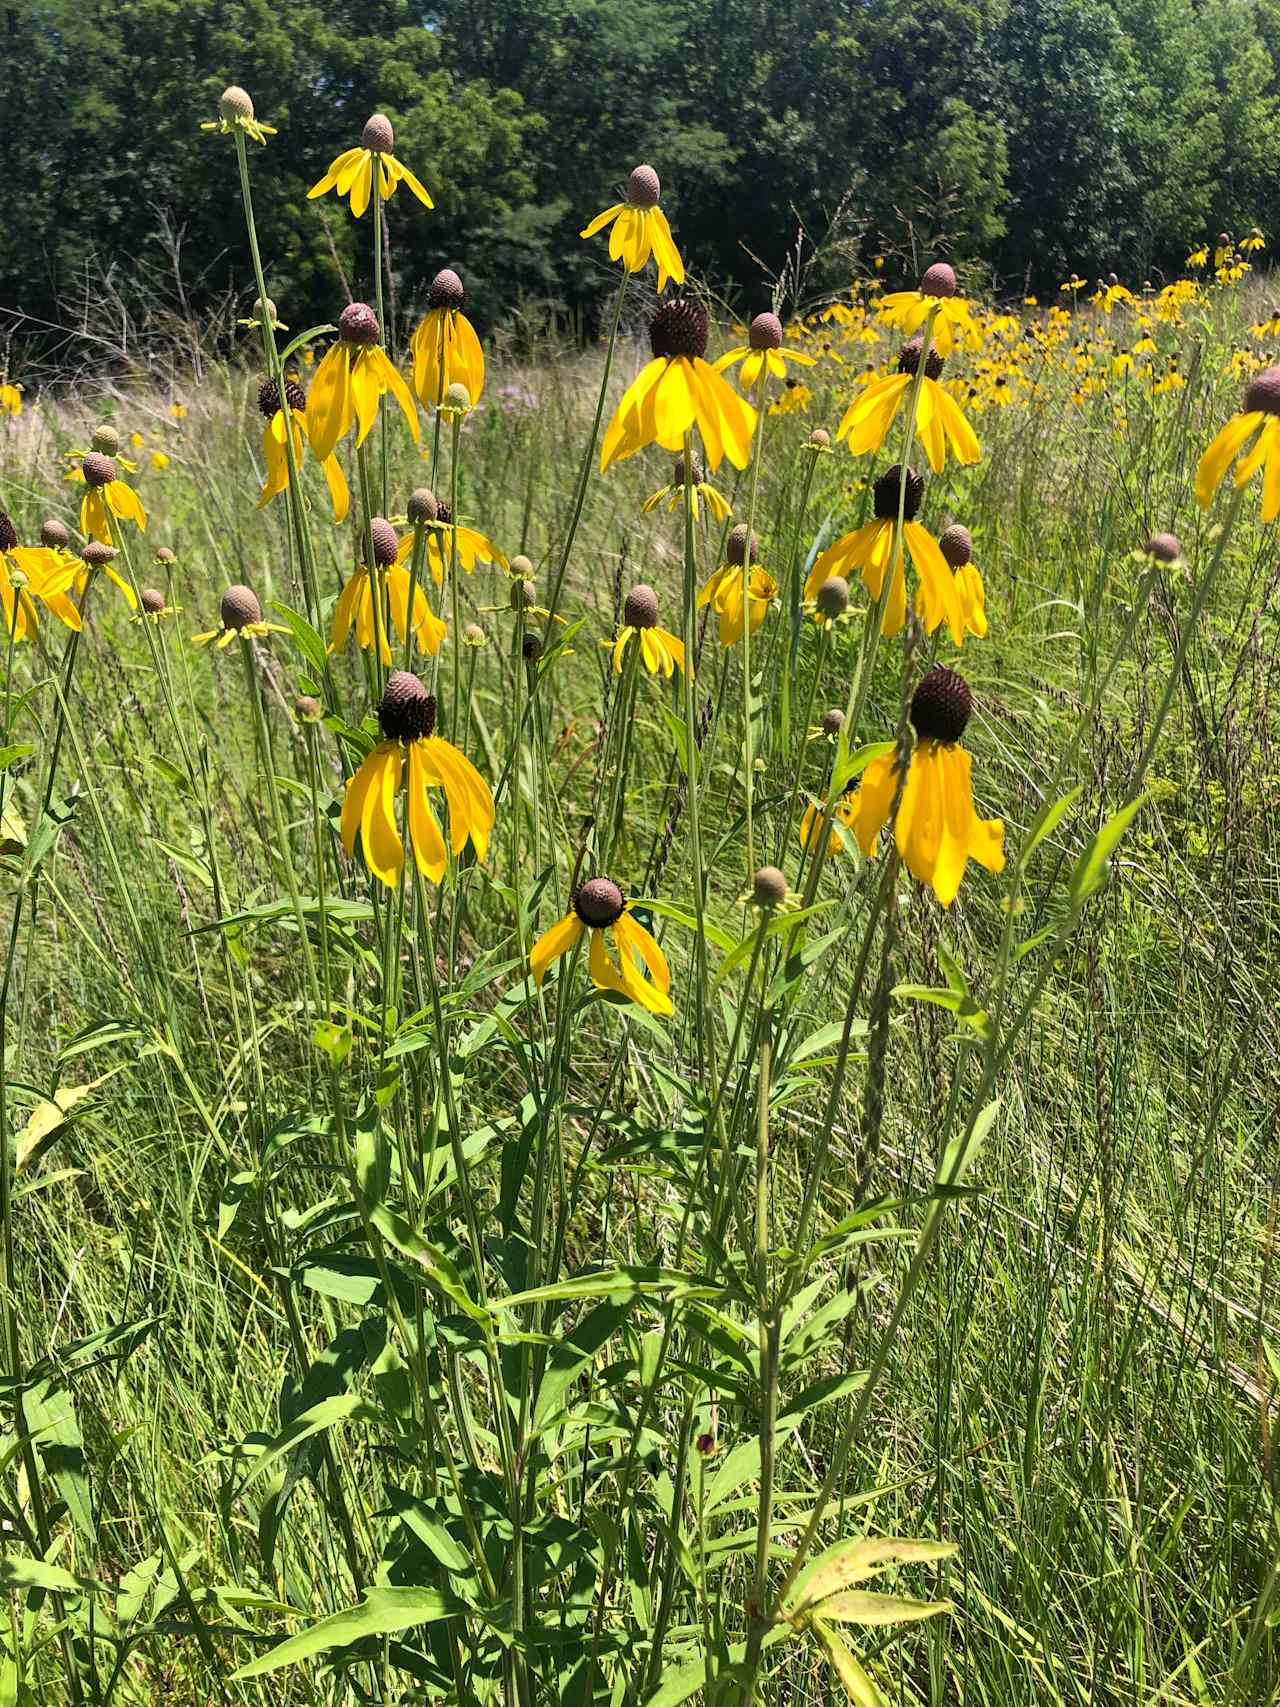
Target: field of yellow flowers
point(638, 1016)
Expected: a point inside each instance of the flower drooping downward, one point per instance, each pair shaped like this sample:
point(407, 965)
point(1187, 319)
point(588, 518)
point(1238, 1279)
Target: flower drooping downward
point(640, 229)
point(596, 907)
point(351, 174)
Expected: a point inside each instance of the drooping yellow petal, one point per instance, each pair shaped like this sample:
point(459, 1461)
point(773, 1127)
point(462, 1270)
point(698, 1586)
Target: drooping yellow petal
point(1217, 459)
point(665, 253)
point(938, 601)
point(417, 188)
point(362, 185)
point(392, 381)
point(366, 389)
point(329, 403)
point(331, 176)
point(339, 491)
point(471, 810)
point(620, 439)
point(601, 220)
point(553, 943)
point(125, 503)
point(424, 832)
point(631, 934)
point(379, 835)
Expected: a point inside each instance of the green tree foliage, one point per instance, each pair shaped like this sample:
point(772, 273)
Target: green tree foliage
point(1093, 134)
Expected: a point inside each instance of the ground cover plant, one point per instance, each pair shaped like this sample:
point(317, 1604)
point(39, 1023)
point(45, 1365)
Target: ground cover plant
point(638, 1014)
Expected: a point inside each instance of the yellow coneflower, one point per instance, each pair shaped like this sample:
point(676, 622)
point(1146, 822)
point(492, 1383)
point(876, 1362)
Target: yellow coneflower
point(763, 349)
point(235, 112)
point(812, 820)
point(1259, 421)
point(241, 616)
point(445, 348)
point(1253, 242)
point(956, 545)
point(868, 549)
point(939, 419)
point(660, 651)
point(356, 602)
point(95, 559)
point(724, 590)
point(640, 229)
point(473, 546)
point(677, 390)
point(907, 310)
point(349, 383)
point(107, 494)
point(411, 751)
point(31, 575)
point(351, 174)
point(937, 829)
point(11, 399)
point(597, 906)
point(154, 605)
point(292, 419)
point(674, 493)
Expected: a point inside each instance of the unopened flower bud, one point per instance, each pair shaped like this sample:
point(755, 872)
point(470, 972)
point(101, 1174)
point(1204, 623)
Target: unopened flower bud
point(152, 600)
point(474, 635)
point(820, 438)
point(422, 506)
point(521, 567)
point(235, 103)
point(832, 721)
point(522, 595)
point(456, 396)
point(106, 440)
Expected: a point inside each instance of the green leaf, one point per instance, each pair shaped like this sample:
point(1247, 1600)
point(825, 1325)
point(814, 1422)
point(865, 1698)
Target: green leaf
point(8, 755)
point(853, 764)
point(963, 1151)
point(1091, 868)
point(19, 1573)
point(679, 916)
point(382, 1612)
point(308, 641)
point(859, 1606)
point(1046, 822)
point(343, 1407)
point(302, 339)
point(437, 1268)
point(611, 1283)
point(575, 1353)
point(51, 1422)
point(961, 1004)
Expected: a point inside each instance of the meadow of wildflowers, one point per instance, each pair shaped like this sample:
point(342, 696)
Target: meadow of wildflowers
point(638, 1016)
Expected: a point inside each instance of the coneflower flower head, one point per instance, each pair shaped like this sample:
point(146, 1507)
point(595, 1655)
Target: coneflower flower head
point(239, 607)
point(885, 494)
point(832, 721)
point(269, 396)
point(386, 543)
point(1164, 547)
point(531, 648)
point(769, 887)
point(106, 440)
point(235, 103)
point(735, 546)
point(956, 545)
point(941, 706)
point(378, 135)
point(152, 600)
point(765, 332)
point(938, 280)
point(909, 359)
point(523, 595)
point(422, 506)
point(833, 597)
point(446, 290)
point(53, 533)
point(640, 608)
point(598, 902)
point(306, 709)
point(679, 328)
point(406, 711)
point(644, 187)
point(1263, 392)
point(358, 324)
point(98, 468)
point(8, 533)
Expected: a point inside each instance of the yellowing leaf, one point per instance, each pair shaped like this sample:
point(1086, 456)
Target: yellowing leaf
point(860, 1689)
point(47, 1120)
point(849, 1562)
point(858, 1606)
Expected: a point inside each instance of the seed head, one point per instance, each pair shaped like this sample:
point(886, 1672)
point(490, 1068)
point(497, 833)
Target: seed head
point(531, 648)
point(909, 359)
point(765, 332)
point(643, 187)
point(358, 324)
point(640, 609)
point(152, 600)
point(956, 545)
point(522, 595)
point(678, 472)
point(1264, 392)
point(385, 543)
point(938, 280)
point(1113, 278)
point(941, 705)
point(735, 547)
point(820, 437)
point(269, 396)
point(378, 135)
point(446, 290)
point(832, 721)
point(599, 902)
point(106, 439)
point(1164, 547)
point(264, 309)
point(769, 887)
point(235, 103)
point(422, 506)
point(165, 555)
point(406, 711)
point(239, 607)
point(98, 468)
point(456, 396)
point(53, 533)
point(679, 328)
point(95, 554)
point(521, 566)
point(885, 494)
point(306, 709)
point(473, 635)
point(8, 533)
point(833, 597)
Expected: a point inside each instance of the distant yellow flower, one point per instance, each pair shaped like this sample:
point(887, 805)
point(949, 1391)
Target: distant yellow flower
point(349, 383)
point(763, 349)
point(794, 399)
point(351, 174)
point(235, 112)
point(660, 651)
point(1199, 257)
point(674, 493)
point(178, 410)
point(412, 751)
point(1253, 242)
point(812, 819)
point(868, 549)
point(241, 616)
point(939, 419)
point(723, 591)
point(275, 450)
point(159, 461)
point(107, 495)
point(597, 906)
point(907, 310)
point(445, 347)
point(937, 829)
point(11, 399)
point(678, 390)
point(1258, 426)
point(356, 606)
point(640, 229)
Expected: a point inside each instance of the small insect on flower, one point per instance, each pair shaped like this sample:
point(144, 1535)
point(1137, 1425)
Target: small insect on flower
point(445, 348)
point(907, 310)
point(701, 491)
point(763, 352)
point(107, 494)
point(351, 174)
point(596, 907)
point(868, 550)
point(937, 830)
point(412, 752)
point(640, 229)
point(241, 616)
point(235, 113)
point(353, 377)
point(939, 420)
point(359, 606)
point(291, 418)
point(677, 390)
point(724, 590)
point(660, 651)
point(1258, 427)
